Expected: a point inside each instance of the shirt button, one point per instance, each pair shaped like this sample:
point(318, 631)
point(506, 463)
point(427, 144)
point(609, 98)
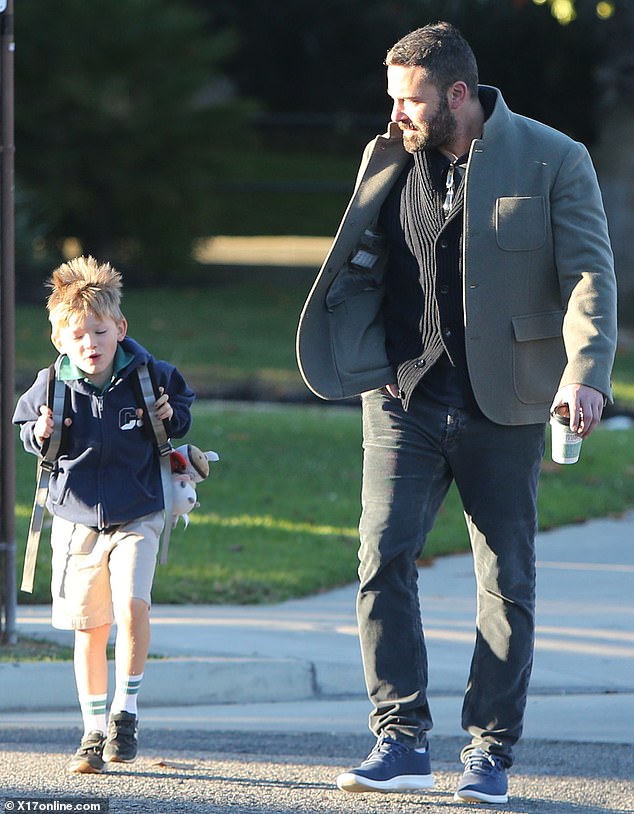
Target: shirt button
point(443, 244)
point(447, 332)
point(419, 363)
point(444, 289)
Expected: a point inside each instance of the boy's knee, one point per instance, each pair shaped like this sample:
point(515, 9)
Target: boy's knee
point(131, 610)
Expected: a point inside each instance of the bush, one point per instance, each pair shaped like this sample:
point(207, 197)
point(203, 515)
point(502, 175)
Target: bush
point(118, 125)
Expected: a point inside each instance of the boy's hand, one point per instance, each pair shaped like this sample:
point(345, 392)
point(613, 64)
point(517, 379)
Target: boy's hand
point(164, 409)
point(43, 428)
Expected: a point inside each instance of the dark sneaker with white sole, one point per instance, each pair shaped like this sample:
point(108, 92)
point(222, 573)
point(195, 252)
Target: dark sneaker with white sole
point(484, 779)
point(121, 742)
point(88, 759)
point(390, 766)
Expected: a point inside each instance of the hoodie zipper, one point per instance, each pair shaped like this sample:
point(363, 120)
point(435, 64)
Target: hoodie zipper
point(100, 510)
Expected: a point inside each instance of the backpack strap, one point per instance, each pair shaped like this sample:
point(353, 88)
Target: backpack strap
point(56, 398)
point(164, 446)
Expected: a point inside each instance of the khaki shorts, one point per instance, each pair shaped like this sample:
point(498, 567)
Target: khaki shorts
point(92, 570)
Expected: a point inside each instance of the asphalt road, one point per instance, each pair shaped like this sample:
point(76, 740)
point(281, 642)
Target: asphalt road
point(190, 772)
point(231, 752)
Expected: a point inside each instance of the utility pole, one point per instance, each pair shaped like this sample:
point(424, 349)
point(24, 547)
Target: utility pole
point(8, 599)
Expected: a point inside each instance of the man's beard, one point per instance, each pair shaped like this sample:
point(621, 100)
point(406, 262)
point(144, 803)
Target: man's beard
point(436, 132)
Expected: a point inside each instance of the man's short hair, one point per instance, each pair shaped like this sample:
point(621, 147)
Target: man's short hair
point(442, 51)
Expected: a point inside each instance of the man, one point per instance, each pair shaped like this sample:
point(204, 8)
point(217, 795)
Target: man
point(470, 289)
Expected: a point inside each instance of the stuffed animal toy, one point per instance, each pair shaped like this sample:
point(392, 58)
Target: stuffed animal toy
point(189, 466)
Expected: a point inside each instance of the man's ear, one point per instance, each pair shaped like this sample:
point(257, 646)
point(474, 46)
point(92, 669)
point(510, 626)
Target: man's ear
point(122, 329)
point(457, 94)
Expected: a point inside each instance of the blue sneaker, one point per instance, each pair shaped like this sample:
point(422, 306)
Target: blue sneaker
point(484, 779)
point(390, 766)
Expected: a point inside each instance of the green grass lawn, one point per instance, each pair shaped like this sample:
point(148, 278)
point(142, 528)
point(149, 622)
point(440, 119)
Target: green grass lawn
point(278, 516)
point(29, 648)
point(221, 336)
point(226, 336)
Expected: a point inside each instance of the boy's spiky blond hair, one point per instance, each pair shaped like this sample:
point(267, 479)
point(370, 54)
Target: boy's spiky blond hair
point(83, 286)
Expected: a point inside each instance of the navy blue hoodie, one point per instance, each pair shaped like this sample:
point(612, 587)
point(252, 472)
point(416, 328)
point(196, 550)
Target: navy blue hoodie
point(108, 470)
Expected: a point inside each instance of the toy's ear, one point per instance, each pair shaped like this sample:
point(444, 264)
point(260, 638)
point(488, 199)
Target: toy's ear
point(198, 461)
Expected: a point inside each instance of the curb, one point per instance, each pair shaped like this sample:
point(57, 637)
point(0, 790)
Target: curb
point(232, 680)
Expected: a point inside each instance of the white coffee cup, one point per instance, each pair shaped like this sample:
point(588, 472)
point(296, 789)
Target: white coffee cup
point(565, 444)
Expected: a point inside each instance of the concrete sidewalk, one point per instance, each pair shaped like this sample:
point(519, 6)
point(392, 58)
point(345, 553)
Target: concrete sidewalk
point(295, 667)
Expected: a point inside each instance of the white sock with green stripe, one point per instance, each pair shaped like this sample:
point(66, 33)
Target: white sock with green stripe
point(93, 712)
point(125, 694)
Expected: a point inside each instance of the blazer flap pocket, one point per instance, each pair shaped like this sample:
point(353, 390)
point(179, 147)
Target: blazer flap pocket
point(530, 327)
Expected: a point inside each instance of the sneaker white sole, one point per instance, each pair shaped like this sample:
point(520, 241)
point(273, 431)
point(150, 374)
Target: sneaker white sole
point(480, 797)
point(349, 781)
point(84, 768)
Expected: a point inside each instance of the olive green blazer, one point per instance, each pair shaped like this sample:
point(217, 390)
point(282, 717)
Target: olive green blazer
point(539, 290)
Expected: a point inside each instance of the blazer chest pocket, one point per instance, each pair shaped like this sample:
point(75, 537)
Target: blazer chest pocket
point(520, 223)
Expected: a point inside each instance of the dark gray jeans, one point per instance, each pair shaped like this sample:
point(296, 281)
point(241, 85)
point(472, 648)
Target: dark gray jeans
point(410, 460)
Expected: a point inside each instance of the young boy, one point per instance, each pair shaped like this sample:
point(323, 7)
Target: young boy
point(105, 496)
